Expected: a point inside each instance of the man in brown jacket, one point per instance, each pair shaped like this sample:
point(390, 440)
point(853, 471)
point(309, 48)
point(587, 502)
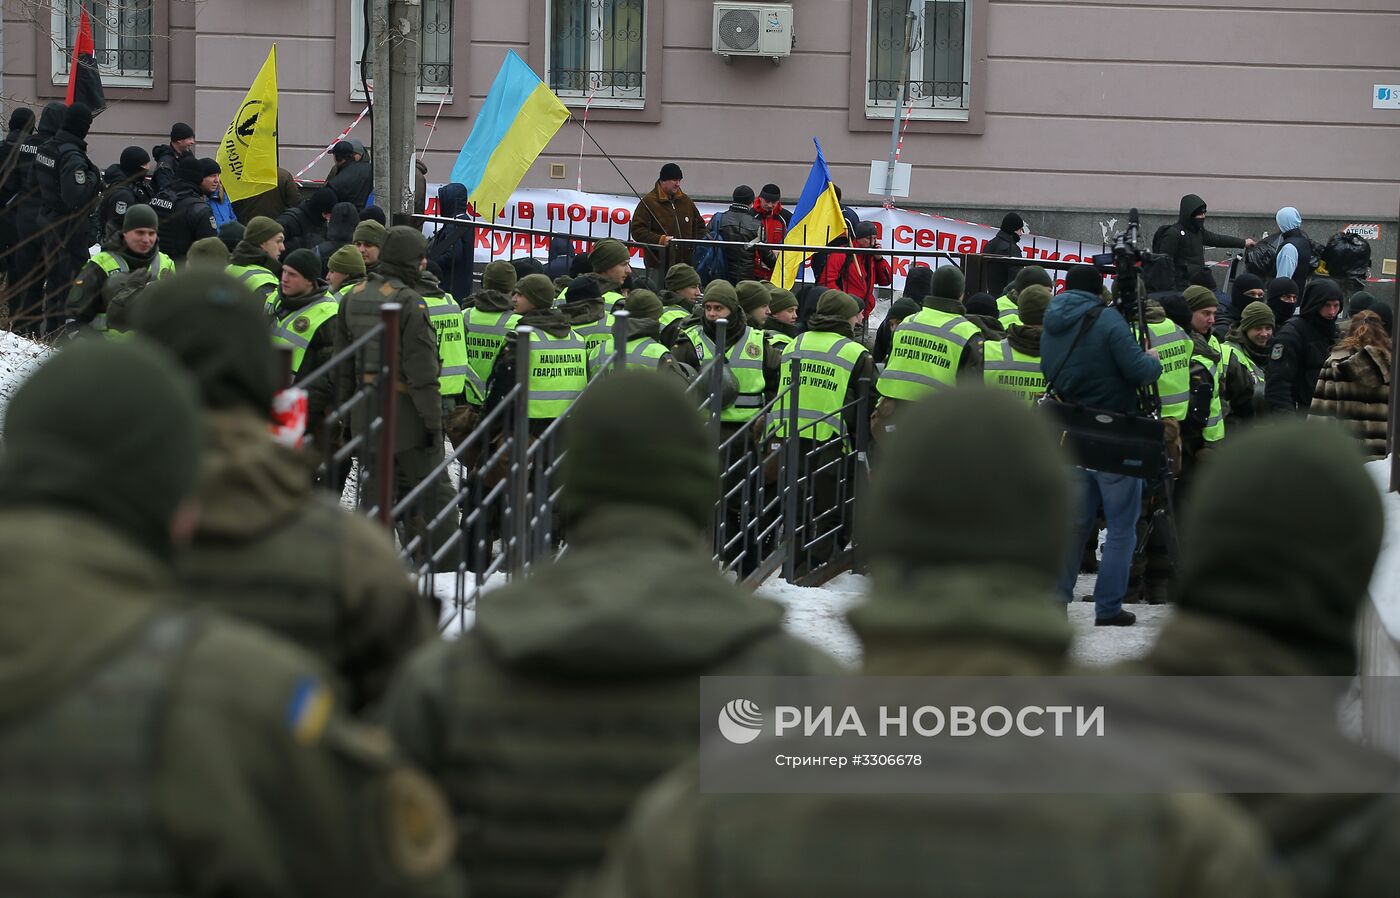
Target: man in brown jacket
point(664, 213)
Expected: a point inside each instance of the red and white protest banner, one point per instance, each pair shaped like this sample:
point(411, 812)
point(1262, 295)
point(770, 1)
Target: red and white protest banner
point(593, 216)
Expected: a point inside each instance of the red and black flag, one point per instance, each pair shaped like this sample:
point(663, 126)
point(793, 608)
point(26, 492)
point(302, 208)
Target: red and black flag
point(84, 81)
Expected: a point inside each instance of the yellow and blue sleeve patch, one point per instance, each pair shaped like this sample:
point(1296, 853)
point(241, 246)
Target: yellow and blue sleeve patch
point(309, 710)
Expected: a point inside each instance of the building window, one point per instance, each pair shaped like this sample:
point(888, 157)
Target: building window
point(434, 51)
point(597, 51)
point(939, 58)
point(122, 31)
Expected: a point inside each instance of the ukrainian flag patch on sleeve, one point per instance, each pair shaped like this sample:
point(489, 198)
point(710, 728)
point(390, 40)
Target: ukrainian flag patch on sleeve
point(309, 710)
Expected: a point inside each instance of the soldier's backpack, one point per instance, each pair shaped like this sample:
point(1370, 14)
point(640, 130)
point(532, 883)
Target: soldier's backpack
point(709, 261)
point(120, 290)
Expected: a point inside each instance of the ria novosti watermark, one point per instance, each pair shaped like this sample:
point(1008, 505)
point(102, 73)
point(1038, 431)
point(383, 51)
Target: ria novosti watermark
point(1022, 734)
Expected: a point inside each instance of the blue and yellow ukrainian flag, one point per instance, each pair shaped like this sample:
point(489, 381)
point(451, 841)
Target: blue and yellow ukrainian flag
point(515, 124)
point(816, 220)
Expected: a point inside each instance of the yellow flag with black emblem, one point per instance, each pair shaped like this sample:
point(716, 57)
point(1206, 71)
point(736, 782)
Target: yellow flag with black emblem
point(248, 152)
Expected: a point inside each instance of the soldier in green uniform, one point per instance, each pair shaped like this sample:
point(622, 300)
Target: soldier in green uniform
point(344, 269)
point(1244, 614)
point(1204, 427)
point(643, 308)
point(588, 299)
point(1245, 358)
point(781, 323)
point(1013, 364)
point(208, 253)
point(751, 357)
point(148, 747)
point(963, 585)
point(833, 363)
point(680, 297)
point(753, 299)
point(268, 549)
point(1030, 276)
point(369, 239)
point(579, 685)
point(449, 326)
point(302, 311)
point(930, 352)
point(253, 261)
point(489, 319)
point(644, 349)
point(134, 252)
point(558, 381)
point(418, 446)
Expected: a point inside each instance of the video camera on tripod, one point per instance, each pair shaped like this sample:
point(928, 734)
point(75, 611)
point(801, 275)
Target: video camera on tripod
point(1125, 262)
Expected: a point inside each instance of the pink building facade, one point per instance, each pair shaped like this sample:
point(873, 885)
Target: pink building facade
point(1066, 108)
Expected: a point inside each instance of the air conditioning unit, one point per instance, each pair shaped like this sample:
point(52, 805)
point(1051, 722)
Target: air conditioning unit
point(753, 29)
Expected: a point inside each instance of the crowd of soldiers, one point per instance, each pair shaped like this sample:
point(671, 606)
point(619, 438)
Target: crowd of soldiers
point(217, 682)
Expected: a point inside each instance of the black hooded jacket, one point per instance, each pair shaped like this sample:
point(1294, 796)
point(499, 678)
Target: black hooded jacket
point(1300, 349)
point(165, 157)
point(1185, 242)
point(29, 200)
point(340, 230)
point(123, 191)
point(353, 182)
point(454, 245)
point(1005, 243)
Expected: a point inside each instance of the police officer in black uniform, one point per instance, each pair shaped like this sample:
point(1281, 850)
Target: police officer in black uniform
point(183, 208)
point(13, 165)
point(28, 265)
point(69, 184)
point(127, 186)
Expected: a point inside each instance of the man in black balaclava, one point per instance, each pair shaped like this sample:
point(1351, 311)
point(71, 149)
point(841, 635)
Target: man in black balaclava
point(69, 183)
point(1007, 242)
point(1301, 347)
point(1185, 241)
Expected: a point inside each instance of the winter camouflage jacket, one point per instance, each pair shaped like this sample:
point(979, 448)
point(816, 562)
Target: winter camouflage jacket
point(576, 689)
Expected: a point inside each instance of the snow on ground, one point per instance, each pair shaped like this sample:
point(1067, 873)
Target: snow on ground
point(1385, 581)
point(818, 616)
point(18, 359)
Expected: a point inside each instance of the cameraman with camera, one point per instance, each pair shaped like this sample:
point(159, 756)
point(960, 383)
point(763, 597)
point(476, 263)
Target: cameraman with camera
point(1090, 358)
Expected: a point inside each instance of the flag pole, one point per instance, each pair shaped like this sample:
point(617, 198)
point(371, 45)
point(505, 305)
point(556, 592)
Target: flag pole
point(586, 133)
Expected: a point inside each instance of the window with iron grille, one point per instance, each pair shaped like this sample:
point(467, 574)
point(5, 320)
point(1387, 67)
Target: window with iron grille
point(597, 51)
point(122, 32)
point(940, 67)
point(434, 51)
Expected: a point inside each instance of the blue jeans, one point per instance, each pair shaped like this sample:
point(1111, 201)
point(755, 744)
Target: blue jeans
point(1121, 496)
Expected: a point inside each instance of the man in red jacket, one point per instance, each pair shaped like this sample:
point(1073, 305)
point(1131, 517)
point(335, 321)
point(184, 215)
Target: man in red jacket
point(773, 222)
point(858, 273)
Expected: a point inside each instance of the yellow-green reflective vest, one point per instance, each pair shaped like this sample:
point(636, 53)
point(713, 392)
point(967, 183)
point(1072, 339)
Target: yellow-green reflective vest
point(645, 352)
point(609, 299)
point(1256, 374)
point(111, 264)
point(295, 330)
point(1214, 430)
point(1008, 313)
point(596, 333)
point(671, 314)
point(1173, 345)
point(258, 279)
point(827, 363)
point(558, 373)
point(782, 341)
point(1006, 368)
point(446, 318)
point(925, 353)
point(486, 334)
point(746, 361)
